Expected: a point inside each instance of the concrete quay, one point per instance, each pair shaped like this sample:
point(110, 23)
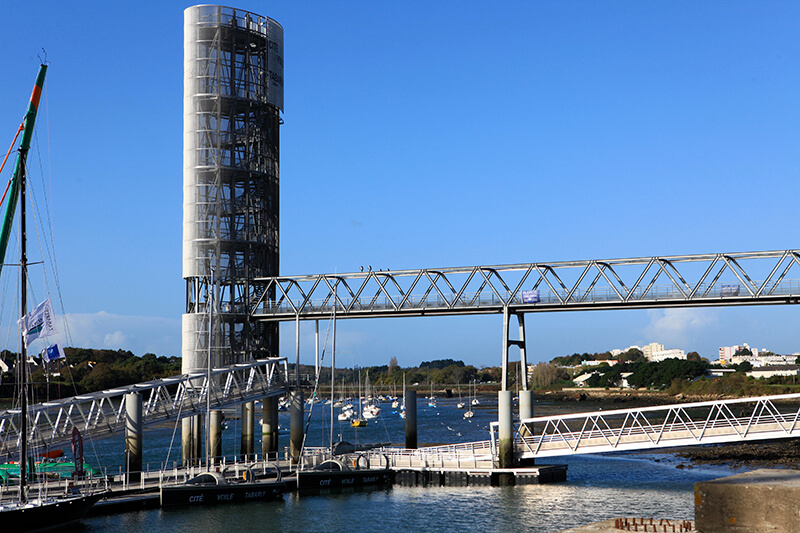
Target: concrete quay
point(761, 501)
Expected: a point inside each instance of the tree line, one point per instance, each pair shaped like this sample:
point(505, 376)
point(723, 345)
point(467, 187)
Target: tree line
point(88, 370)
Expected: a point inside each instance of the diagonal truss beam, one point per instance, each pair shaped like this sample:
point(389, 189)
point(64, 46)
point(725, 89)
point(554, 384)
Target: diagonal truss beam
point(102, 414)
point(744, 278)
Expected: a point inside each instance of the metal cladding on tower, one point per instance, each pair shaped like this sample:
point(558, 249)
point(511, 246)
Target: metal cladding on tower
point(233, 97)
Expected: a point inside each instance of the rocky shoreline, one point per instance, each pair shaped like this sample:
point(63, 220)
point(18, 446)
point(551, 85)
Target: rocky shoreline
point(765, 454)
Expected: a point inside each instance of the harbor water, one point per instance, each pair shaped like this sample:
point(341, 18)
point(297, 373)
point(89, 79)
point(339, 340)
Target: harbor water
point(598, 487)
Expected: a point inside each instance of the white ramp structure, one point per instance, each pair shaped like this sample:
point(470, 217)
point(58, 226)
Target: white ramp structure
point(102, 414)
point(720, 421)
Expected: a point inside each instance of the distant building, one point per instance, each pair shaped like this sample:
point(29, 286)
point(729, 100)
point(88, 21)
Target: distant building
point(775, 370)
point(652, 348)
point(661, 355)
point(580, 381)
point(720, 372)
point(763, 360)
point(726, 353)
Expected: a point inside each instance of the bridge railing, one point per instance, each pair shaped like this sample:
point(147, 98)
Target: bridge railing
point(102, 414)
point(759, 418)
point(710, 279)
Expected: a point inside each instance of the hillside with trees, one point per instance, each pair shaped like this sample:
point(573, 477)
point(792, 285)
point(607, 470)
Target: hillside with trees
point(89, 370)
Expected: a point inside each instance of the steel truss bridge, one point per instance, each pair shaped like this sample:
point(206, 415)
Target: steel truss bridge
point(742, 278)
point(688, 424)
point(103, 414)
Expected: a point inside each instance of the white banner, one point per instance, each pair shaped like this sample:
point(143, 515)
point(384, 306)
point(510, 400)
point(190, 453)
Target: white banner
point(41, 322)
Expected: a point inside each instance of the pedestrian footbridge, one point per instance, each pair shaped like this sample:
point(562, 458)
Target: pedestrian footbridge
point(687, 424)
point(102, 414)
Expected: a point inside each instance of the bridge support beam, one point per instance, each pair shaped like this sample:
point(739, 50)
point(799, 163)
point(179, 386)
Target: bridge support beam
point(507, 343)
point(296, 430)
point(410, 401)
point(214, 436)
point(316, 347)
point(133, 437)
point(269, 429)
point(505, 429)
point(248, 440)
point(191, 437)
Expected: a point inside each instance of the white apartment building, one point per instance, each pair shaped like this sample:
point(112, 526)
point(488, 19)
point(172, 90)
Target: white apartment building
point(726, 353)
point(661, 355)
point(652, 348)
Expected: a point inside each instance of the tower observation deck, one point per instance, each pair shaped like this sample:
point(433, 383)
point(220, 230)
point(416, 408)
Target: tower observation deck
point(233, 97)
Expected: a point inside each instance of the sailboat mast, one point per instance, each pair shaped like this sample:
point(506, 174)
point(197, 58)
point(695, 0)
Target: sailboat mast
point(333, 362)
point(18, 190)
point(208, 369)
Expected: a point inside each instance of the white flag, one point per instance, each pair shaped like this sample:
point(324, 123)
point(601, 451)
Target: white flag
point(53, 352)
point(40, 322)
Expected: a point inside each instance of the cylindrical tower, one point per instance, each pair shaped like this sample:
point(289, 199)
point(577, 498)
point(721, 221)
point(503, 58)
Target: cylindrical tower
point(233, 97)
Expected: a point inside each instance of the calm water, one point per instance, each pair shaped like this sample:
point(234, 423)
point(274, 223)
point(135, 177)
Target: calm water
point(598, 487)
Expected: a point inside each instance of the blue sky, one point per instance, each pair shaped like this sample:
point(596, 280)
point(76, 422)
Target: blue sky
point(431, 134)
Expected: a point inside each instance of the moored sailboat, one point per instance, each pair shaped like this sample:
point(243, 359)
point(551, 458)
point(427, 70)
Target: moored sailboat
point(43, 512)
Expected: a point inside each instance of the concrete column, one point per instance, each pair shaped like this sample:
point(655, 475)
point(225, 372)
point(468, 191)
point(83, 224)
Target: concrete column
point(523, 358)
point(215, 436)
point(269, 428)
point(505, 418)
point(248, 442)
point(187, 444)
point(525, 409)
point(296, 429)
point(504, 363)
point(133, 436)
point(411, 419)
point(191, 438)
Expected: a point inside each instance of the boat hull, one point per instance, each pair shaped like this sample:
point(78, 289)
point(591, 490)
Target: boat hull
point(188, 495)
point(48, 515)
point(339, 479)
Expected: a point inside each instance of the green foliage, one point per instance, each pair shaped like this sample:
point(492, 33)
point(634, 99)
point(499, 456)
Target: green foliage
point(693, 356)
point(440, 363)
point(632, 355)
point(90, 370)
point(660, 375)
point(572, 360)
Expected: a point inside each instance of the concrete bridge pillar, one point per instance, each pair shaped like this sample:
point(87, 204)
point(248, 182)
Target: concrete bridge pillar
point(296, 429)
point(133, 436)
point(525, 409)
point(215, 435)
point(269, 428)
point(191, 434)
point(410, 400)
point(248, 441)
point(505, 414)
